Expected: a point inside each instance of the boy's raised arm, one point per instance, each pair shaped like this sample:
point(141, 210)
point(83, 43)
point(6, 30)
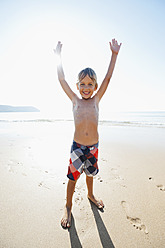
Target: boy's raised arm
point(115, 49)
point(60, 72)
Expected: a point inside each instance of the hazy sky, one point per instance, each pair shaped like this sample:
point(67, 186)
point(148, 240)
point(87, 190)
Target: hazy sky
point(29, 30)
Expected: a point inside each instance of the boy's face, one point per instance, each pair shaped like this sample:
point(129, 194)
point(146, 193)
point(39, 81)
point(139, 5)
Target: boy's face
point(86, 87)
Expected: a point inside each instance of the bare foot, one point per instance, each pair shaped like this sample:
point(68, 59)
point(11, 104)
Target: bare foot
point(66, 219)
point(98, 203)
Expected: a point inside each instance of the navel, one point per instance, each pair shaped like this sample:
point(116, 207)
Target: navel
point(86, 134)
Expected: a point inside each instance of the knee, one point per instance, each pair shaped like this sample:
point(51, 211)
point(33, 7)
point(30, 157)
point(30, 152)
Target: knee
point(72, 182)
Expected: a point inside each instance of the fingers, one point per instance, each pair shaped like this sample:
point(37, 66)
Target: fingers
point(57, 50)
point(59, 45)
point(115, 47)
point(110, 45)
point(114, 42)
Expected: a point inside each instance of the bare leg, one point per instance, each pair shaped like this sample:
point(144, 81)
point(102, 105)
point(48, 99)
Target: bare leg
point(89, 182)
point(66, 220)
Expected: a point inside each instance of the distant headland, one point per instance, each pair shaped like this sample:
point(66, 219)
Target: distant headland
point(8, 108)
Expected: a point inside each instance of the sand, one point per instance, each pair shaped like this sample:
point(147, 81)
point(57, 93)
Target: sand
point(131, 182)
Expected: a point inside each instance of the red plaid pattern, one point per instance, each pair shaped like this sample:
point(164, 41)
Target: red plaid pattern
point(83, 158)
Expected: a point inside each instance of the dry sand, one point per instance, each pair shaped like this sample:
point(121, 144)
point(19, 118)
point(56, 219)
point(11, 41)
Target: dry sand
point(131, 182)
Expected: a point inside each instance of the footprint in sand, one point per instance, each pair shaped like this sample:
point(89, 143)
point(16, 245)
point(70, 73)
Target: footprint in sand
point(103, 159)
point(13, 164)
point(77, 197)
point(159, 186)
point(99, 178)
point(115, 175)
point(42, 184)
point(136, 222)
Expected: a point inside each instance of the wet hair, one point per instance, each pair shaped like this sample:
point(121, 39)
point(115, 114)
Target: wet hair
point(91, 73)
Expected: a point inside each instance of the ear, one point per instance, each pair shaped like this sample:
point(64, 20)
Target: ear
point(96, 86)
point(77, 86)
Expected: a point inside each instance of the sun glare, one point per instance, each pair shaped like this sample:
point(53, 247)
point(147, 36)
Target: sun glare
point(57, 60)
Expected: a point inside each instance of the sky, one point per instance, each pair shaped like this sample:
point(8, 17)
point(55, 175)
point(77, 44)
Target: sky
point(30, 30)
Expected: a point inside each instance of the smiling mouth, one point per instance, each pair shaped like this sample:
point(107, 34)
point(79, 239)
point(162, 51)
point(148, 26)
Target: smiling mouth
point(86, 93)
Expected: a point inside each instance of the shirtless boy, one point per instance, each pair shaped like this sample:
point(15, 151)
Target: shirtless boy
point(84, 150)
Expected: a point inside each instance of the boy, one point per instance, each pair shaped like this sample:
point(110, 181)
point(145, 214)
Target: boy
point(84, 151)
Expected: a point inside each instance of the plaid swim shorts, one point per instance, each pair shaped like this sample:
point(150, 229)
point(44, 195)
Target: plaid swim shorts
point(83, 158)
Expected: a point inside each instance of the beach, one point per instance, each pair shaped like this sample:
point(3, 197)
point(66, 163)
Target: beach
point(34, 157)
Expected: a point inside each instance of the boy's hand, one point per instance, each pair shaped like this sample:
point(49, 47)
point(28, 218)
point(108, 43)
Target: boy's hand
point(114, 46)
point(58, 48)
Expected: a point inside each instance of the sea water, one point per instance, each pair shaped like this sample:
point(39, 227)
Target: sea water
point(135, 119)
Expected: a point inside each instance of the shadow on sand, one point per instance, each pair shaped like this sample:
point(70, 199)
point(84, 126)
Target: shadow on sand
point(74, 239)
point(103, 233)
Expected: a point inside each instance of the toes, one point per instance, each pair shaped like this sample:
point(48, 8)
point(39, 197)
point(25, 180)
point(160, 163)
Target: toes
point(68, 224)
point(100, 204)
point(63, 222)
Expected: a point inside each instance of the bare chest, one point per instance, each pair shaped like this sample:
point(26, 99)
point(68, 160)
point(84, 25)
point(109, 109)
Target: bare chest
point(85, 110)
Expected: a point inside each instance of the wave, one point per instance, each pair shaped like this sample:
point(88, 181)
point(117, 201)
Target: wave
point(101, 122)
point(132, 124)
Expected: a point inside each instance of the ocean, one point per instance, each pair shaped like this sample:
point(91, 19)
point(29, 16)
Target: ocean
point(153, 119)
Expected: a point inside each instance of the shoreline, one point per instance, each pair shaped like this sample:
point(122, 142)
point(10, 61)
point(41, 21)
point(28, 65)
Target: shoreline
point(129, 119)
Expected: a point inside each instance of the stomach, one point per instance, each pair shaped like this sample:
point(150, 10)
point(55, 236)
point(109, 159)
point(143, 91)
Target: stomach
point(86, 134)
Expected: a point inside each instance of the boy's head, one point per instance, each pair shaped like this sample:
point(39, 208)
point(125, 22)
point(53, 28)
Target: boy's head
point(87, 82)
point(91, 73)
